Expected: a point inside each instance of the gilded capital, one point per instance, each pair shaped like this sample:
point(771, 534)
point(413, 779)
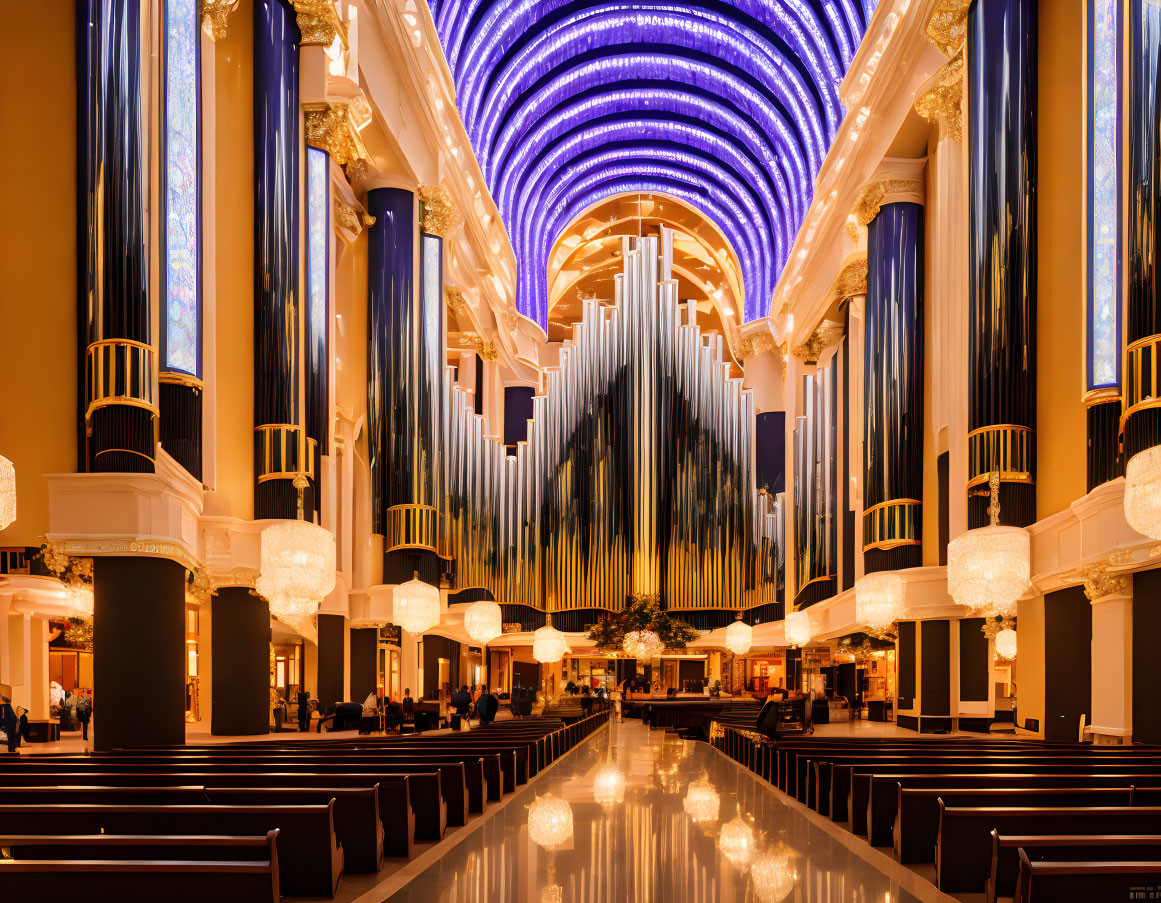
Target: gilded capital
point(943, 101)
point(318, 21)
point(331, 127)
point(947, 27)
point(1100, 582)
point(214, 14)
point(879, 193)
point(485, 349)
point(438, 213)
point(851, 280)
point(822, 338)
point(753, 345)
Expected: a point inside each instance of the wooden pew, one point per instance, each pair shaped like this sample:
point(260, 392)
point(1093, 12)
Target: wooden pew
point(1054, 848)
point(186, 847)
point(917, 820)
point(396, 815)
point(964, 848)
point(1085, 882)
point(310, 858)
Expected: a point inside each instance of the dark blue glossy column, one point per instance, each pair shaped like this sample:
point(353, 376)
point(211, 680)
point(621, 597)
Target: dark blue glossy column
point(280, 447)
point(1002, 257)
point(405, 397)
point(1142, 423)
point(117, 397)
point(893, 388)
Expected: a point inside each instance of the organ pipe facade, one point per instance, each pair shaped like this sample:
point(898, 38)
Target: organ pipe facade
point(815, 527)
point(119, 399)
point(893, 390)
point(637, 478)
point(1002, 258)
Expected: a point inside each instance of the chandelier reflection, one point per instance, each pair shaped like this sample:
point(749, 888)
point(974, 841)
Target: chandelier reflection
point(702, 802)
point(609, 785)
point(773, 874)
point(550, 821)
point(737, 842)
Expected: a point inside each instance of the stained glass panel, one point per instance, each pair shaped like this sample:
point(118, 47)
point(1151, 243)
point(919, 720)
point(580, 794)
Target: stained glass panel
point(1103, 194)
point(182, 229)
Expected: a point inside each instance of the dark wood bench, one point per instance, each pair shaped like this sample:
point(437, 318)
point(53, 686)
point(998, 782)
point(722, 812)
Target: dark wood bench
point(1054, 848)
point(310, 858)
point(1085, 882)
point(396, 815)
point(917, 821)
point(964, 849)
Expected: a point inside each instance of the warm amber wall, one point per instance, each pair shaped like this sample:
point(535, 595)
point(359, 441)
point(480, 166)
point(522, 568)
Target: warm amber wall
point(38, 259)
point(234, 248)
point(1061, 428)
point(1028, 672)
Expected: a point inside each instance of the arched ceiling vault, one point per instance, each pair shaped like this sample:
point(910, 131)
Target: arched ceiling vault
point(728, 105)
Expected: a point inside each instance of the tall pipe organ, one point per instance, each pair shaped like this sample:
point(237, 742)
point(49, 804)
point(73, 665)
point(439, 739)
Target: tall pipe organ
point(637, 478)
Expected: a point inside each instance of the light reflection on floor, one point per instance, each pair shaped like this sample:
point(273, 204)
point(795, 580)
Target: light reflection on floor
point(646, 843)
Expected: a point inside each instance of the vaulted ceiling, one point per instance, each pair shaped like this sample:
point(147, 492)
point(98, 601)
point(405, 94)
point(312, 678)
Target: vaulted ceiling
point(728, 106)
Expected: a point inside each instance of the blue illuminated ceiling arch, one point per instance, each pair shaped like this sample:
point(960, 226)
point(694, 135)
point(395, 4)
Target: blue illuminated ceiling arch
point(729, 105)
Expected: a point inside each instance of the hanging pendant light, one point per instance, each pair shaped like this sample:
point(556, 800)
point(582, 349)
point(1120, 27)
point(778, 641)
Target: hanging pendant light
point(297, 565)
point(797, 629)
point(1142, 492)
point(548, 644)
point(7, 493)
point(739, 636)
point(642, 644)
point(550, 821)
point(737, 842)
point(484, 622)
point(989, 568)
point(1006, 644)
point(702, 802)
point(415, 605)
point(879, 600)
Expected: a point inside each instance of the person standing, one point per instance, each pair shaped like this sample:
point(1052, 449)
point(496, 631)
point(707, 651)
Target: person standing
point(9, 723)
point(303, 700)
point(461, 701)
point(84, 711)
point(487, 705)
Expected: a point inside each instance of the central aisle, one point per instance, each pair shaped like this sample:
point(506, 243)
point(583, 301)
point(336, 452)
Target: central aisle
point(646, 847)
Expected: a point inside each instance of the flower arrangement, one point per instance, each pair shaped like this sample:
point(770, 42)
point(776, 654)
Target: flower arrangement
point(641, 614)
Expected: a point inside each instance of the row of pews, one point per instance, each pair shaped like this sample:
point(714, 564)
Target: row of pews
point(1023, 820)
point(254, 821)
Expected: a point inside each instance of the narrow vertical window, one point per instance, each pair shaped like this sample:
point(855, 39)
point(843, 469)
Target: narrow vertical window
point(1103, 193)
point(318, 244)
point(181, 336)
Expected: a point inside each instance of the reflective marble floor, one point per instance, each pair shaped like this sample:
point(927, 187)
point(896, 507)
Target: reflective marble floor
point(653, 818)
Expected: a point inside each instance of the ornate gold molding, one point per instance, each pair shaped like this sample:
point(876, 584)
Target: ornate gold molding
point(439, 214)
point(214, 14)
point(823, 337)
point(347, 222)
point(459, 307)
point(332, 127)
point(943, 101)
point(485, 349)
point(1100, 582)
point(753, 345)
point(872, 198)
point(947, 27)
point(851, 280)
point(318, 21)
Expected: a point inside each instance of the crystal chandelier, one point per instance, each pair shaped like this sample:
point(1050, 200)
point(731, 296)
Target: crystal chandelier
point(739, 636)
point(879, 600)
point(989, 568)
point(549, 821)
point(702, 802)
point(1006, 644)
point(415, 605)
point(797, 629)
point(609, 785)
point(773, 875)
point(1142, 492)
point(737, 842)
point(297, 565)
point(79, 600)
point(7, 492)
point(548, 644)
point(484, 622)
point(642, 644)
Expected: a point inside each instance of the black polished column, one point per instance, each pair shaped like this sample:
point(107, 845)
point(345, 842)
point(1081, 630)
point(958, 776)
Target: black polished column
point(240, 644)
point(332, 631)
point(118, 394)
point(280, 447)
point(893, 388)
point(1002, 258)
point(364, 671)
point(405, 399)
point(1142, 420)
point(138, 652)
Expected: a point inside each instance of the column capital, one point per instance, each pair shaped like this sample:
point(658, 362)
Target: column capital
point(826, 334)
point(214, 14)
point(439, 214)
point(890, 187)
point(333, 126)
point(941, 99)
point(947, 27)
point(1102, 584)
point(318, 22)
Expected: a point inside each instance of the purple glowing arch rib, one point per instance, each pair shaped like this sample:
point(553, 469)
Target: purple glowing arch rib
point(729, 107)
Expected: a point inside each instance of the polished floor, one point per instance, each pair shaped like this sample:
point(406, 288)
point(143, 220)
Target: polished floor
point(643, 844)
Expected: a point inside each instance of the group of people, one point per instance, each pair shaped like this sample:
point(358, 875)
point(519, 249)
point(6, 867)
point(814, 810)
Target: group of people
point(391, 715)
point(481, 701)
point(13, 724)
